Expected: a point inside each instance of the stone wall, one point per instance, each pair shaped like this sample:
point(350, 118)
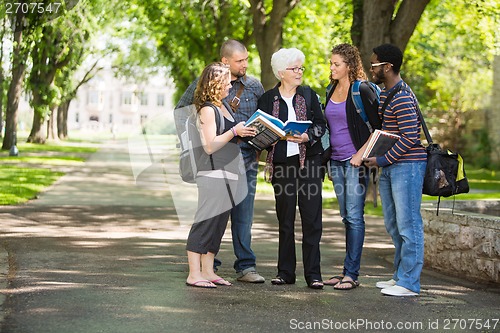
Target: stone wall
point(463, 243)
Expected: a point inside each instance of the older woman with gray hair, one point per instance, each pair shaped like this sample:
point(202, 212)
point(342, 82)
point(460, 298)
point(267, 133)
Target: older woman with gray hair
point(293, 166)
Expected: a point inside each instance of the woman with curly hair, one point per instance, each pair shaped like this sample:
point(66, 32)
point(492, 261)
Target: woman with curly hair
point(348, 133)
point(219, 174)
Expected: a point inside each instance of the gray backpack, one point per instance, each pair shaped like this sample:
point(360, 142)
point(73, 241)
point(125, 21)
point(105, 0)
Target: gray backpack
point(192, 153)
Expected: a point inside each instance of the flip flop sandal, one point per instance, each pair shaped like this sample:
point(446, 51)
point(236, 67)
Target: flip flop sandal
point(338, 277)
point(353, 284)
point(278, 281)
point(316, 284)
point(198, 284)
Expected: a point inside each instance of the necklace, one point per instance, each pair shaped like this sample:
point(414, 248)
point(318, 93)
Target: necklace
point(339, 94)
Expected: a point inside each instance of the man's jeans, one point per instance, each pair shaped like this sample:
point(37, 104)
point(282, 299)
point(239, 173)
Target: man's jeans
point(350, 185)
point(242, 219)
point(401, 193)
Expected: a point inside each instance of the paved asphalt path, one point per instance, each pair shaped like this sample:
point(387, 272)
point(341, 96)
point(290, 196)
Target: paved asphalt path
point(103, 252)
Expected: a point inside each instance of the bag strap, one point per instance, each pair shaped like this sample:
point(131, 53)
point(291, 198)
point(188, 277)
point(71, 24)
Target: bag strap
point(308, 97)
point(235, 102)
point(389, 98)
point(358, 102)
point(219, 118)
point(422, 121)
point(218, 121)
point(424, 125)
point(397, 88)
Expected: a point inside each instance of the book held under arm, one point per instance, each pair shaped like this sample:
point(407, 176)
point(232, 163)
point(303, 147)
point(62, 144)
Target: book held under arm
point(271, 129)
point(379, 143)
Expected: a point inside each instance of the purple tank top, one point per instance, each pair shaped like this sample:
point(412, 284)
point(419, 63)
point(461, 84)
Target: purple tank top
point(340, 139)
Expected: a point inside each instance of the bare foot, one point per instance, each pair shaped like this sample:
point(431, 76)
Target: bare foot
point(201, 284)
point(199, 281)
point(221, 282)
point(214, 278)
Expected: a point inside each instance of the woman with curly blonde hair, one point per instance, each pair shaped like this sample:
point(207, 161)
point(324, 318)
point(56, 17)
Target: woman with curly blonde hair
point(348, 133)
point(218, 174)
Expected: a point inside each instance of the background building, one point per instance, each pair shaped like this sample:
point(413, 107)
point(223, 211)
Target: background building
point(111, 104)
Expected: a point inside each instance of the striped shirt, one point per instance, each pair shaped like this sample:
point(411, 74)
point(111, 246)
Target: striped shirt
point(401, 118)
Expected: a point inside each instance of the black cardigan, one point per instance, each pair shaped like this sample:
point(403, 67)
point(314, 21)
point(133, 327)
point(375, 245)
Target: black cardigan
point(357, 128)
point(314, 113)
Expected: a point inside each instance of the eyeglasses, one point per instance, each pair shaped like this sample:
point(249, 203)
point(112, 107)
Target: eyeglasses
point(380, 64)
point(296, 69)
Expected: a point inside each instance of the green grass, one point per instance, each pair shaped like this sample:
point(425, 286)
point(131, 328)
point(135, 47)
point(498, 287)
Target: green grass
point(23, 177)
point(43, 160)
point(28, 148)
point(18, 185)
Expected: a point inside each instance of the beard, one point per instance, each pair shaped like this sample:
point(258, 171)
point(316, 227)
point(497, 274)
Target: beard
point(378, 78)
point(240, 73)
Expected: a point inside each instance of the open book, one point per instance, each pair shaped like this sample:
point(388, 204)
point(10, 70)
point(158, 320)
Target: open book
point(271, 129)
point(379, 143)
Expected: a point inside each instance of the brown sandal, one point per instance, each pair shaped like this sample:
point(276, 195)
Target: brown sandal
point(353, 284)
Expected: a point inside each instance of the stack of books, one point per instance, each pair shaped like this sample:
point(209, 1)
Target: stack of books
point(271, 129)
point(379, 143)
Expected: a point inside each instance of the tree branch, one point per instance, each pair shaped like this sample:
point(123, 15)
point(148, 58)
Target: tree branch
point(406, 20)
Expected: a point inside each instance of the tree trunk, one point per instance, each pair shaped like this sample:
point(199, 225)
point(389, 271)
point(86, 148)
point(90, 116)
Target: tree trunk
point(2, 76)
point(62, 120)
point(2, 80)
point(52, 125)
point(268, 33)
point(47, 60)
point(493, 114)
point(381, 24)
point(38, 132)
point(266, 49)
point(15, 88)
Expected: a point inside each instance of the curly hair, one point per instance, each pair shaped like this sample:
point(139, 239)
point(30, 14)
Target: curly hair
point(350, 54)
point(211, 85)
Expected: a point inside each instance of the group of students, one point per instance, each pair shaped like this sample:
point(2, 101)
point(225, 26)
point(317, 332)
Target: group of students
point(293, 166)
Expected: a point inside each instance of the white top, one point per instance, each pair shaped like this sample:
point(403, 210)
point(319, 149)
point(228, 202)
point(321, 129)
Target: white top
point(292, 148)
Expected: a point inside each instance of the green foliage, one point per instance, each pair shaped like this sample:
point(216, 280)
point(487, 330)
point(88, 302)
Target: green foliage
point(313, 29)
point(84, 22)
point(135, 55)
point(448, 63)
point(448, 54)
point(188, 34)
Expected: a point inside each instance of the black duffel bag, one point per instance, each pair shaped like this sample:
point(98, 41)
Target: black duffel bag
point(445, 173)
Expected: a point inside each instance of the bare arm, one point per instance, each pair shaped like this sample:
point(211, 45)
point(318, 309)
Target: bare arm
point(357, 159)
point(209, 138)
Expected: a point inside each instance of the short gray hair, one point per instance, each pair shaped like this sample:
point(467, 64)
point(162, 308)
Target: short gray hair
point(283, 58)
